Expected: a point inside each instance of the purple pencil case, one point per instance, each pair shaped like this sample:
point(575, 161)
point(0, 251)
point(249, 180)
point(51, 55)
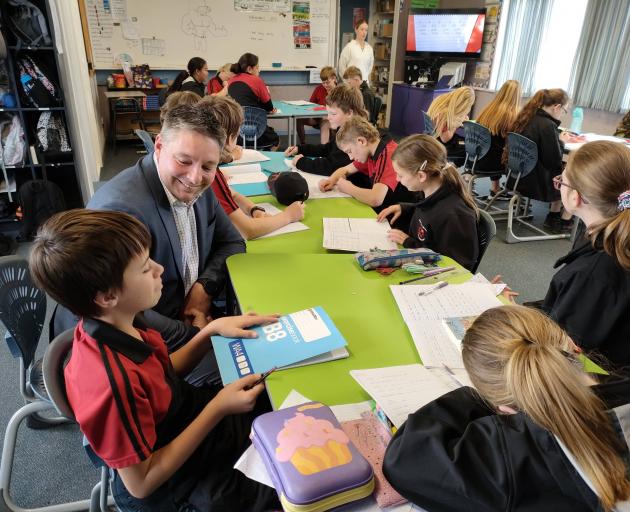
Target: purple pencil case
point(312, 463)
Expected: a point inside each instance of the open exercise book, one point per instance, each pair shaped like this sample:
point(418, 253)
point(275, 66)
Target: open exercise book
point(356, 235)
point(402, 390)
point(425, 314)
point(294, 338)
point(249, 156)
point(312, 180)
point(289, 228)
point(244, 174)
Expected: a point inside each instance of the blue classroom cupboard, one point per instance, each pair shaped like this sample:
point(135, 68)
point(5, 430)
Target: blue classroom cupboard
point(407, 103)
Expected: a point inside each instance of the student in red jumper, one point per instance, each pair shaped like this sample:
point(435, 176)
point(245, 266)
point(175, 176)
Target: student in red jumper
point(172, 446)
point(250, 219)
point(328, 77)
point(218, 84)
point(372, 156)
point(249, 90)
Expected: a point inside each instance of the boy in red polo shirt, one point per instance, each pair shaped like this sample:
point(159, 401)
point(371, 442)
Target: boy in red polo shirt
point(328, 76)
point(372, 156)
point(171, 445)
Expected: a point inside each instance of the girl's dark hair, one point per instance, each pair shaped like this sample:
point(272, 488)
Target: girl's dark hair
point(246, 60)
point(194, 64)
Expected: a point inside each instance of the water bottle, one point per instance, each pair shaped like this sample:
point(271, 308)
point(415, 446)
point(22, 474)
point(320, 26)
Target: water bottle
point(576, 122)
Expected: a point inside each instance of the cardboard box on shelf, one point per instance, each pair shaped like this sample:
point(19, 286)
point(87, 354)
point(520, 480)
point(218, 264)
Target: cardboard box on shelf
point(381, 51)
point(387, 29)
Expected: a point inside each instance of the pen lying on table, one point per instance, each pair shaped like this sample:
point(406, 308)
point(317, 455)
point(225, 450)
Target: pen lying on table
point(429, 273)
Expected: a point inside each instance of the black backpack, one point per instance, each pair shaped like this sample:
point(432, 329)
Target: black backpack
point(52, 135)
point(40, 200)
point(27, 22)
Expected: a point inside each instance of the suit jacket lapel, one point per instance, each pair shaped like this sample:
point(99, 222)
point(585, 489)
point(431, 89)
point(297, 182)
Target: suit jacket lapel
point(163, 208)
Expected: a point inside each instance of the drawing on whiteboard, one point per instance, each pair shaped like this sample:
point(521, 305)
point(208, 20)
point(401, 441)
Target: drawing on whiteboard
point(153, 46)
point(200, 25)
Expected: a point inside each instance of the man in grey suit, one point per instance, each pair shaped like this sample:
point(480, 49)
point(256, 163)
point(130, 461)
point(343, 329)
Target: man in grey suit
point(169, 192)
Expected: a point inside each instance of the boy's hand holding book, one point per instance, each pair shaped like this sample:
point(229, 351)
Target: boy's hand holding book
point(236, 326)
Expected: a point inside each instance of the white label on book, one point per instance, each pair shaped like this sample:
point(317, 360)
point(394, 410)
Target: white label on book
point(310, 325)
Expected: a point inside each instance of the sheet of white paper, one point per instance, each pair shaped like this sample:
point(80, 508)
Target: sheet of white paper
point(313, 184)
point(355, 235)
point(402, 390)
point(243, 174)
point(480, 278)
point(250, 156)
point(465, 299)
point(130, 30)
point(289, 228)
point(299, 103)
point(434, 345)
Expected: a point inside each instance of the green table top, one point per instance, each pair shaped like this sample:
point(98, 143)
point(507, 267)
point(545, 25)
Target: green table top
point(308, 241)
point(359, 302)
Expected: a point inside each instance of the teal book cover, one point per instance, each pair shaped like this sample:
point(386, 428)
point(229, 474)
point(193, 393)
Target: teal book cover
point(293, 338)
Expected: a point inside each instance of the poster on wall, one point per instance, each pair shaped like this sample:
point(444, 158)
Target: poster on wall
point(262, 5)
point(302, 24)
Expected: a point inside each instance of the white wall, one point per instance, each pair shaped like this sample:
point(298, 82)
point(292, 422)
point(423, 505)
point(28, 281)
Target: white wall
point(87, 137)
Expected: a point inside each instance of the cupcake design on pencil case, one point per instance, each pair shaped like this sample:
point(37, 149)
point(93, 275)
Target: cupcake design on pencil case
point(312, 445)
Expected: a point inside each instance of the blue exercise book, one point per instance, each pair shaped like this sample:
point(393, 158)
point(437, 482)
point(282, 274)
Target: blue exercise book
point(292, 339)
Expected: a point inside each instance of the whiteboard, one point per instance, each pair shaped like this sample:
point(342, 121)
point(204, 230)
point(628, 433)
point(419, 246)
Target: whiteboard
point(166, 33)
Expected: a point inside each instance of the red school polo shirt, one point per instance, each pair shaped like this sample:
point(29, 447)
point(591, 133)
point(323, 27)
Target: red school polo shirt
point(379, 166)
point(215, 85)
point(222, 190)
point(319, 95)
point(118, 388)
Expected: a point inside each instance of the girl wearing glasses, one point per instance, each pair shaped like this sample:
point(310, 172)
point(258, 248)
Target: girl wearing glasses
point(590, 295)
point(536, 433)
point(538, 120)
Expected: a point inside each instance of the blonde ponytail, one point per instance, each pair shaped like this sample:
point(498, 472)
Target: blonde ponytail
point(600, 172)
point(515, 357)
point(423, 153)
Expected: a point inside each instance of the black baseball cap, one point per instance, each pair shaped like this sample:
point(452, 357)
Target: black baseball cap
point(288, 187)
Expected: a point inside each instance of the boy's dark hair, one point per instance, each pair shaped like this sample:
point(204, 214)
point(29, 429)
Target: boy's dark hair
point(198, 117)
point(80, 252)
point(230, 116)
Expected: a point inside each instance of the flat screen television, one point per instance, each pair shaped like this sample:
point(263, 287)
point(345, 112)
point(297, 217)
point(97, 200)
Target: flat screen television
point(445, 33)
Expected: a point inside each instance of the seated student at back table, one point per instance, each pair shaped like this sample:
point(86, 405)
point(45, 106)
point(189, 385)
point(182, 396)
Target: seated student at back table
point(169, 192)
point(251, 220)
point(171, 445)
point(218, 84)
point(448, 113)
point(445, 219)
point(538, 120)
point(353, 77)
point(343, 102)
point(328, 77)
point(590, 295)
point(194, 79)
point(372, 156)
point(536, 433)
point(499, 116)
point(249, 90)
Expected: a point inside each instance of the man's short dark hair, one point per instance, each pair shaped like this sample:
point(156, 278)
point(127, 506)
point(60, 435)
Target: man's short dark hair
point(80, 252)
point(199, 118)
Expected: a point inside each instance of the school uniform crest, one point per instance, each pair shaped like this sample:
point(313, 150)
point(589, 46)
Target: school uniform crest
point(421, 233)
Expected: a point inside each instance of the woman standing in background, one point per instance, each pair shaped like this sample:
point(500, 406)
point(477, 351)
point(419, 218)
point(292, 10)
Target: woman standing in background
point(358, 52)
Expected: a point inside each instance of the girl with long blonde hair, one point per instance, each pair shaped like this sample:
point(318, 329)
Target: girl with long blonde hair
point(536, 433)
point(445, 218)
point(590, 295)
point(499, 116)
point(448, 112)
